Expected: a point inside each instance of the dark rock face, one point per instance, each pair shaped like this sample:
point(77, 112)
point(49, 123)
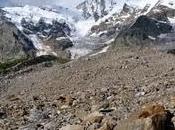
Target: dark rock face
point(142, 29)
point(134, 25)
point(13, 43)
point(55, 29)
point(161, 13)
point(150, 26)
point(49, 33)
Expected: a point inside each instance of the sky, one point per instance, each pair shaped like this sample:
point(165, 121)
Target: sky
point(65, 3)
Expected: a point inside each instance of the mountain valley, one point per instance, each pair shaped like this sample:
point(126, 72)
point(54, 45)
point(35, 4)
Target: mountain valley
point(104, 65)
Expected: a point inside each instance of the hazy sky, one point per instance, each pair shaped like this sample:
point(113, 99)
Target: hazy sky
point(66, 3)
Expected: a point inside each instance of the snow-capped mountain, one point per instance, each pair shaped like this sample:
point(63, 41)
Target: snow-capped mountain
point(53, 29)
point(126, 14)
point(100, 8)
point(49, 29)
point(96, 8)
point(34, 14)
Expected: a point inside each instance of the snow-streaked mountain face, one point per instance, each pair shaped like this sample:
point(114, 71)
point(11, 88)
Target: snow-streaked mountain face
point(44, 26)
point(50, 29)
point(34, 14)
point(100, 8)
point(96, 8)
point(126, 12)
point(53, 28)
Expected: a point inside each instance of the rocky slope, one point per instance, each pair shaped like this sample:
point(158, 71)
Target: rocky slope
point(101, 91)
point(89, 92)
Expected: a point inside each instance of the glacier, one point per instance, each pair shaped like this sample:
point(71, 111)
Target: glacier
point(80, 27)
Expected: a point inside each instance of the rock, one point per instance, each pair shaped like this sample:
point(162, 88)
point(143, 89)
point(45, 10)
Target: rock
point(50, 126)
point(105, 127)
point(172, 101)
point(95, 117)
point(3, 114)
point(97, 11)
point(13, 44)
point(108, 123)
point(68, 100)
point(64, 107)
point(63, 43)
point(127, 9)
point(72, 127)
point(151, 117)
point(94, 126)
point(107, 110)
point(139, 34)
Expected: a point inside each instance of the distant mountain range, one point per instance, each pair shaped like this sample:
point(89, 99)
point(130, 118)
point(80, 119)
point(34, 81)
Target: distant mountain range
point(50, 30)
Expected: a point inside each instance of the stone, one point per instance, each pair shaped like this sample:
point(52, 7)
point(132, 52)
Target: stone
point(72, 127)
point(151, 117)
point(94, 126)
point(172, 101)
point(105, 127)
point(109, 123)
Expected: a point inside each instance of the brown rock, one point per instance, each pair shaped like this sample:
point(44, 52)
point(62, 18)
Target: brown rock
point(72, 127)
point(151, 117)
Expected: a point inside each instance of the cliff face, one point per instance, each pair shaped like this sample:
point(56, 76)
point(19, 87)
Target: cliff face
point(13, 44)
point(96, 8)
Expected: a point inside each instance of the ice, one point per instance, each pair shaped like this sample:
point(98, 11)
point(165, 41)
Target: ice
point(151, 37)
point(34, 14)
point(84, 26)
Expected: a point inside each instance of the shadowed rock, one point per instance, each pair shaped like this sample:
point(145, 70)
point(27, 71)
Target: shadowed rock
point(141, 31)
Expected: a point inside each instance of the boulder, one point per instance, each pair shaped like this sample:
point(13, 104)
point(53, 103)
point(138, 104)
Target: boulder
point(151, 117)
point(72, 127)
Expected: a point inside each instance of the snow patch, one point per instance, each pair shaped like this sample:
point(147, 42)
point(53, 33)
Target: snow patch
point(151, 37)
point(105, 48)
point(83, 27)
point(172, 20)
point(61, 38)
point(102, 51)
